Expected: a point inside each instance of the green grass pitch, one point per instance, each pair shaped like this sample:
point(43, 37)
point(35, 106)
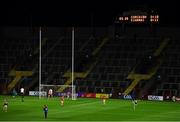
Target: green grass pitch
point(84, 109)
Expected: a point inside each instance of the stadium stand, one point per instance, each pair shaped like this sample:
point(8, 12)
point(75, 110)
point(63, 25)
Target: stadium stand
point(103, 63)
point(169, 72)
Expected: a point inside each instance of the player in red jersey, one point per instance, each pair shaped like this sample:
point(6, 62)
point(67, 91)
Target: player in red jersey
point(103, 99)
point(62, 100)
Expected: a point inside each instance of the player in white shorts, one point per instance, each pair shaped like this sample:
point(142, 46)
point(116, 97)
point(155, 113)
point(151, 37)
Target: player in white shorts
point(5, 105)
point(50, 93)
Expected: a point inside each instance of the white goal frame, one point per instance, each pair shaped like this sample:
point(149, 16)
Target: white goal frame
point(72, 67)
point(73, 90)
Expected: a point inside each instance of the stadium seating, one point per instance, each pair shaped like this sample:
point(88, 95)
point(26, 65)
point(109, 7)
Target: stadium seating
point(168, 76)
point(112, 59)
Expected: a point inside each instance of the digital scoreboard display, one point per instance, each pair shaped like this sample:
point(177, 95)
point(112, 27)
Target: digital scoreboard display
point(138, 17)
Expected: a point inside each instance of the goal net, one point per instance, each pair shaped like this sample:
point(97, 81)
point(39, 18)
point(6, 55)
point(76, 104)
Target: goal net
point(67, 91)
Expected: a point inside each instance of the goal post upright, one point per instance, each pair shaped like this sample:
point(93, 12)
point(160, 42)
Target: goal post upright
point(72, 71)
point(39, 62)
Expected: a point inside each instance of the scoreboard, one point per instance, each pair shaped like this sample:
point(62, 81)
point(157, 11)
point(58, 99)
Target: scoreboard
point(137, 17)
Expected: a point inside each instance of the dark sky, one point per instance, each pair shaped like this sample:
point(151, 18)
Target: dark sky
point(81, 12)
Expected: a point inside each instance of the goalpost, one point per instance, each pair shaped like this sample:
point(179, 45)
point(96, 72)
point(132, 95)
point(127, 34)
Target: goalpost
point(59, 90)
